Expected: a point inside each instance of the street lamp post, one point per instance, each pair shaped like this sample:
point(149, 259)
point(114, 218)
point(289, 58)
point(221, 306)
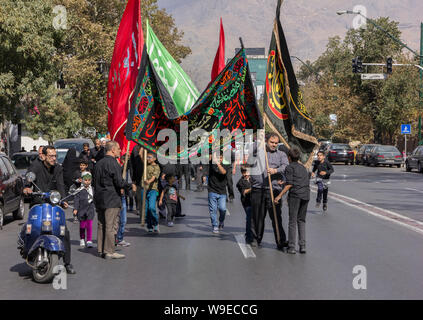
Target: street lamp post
point(403, 45)
point(309, 67)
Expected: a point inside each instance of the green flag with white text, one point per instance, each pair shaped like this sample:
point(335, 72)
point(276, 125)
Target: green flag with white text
point(176, 82)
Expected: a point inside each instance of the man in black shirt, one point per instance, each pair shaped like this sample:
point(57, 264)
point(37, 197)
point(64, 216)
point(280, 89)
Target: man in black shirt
point(217, 192)
point(107, 196)
point(324, 169)
point(49, 176)
point(298, 184)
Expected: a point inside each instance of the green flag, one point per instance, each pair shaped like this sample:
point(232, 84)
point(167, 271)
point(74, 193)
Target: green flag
point(176, 82)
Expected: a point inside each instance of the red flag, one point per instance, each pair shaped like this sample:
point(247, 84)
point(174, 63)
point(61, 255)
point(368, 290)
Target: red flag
point(123, 72)
point(219, 60)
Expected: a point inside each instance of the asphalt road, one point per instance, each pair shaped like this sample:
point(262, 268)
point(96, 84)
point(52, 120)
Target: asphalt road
point(189, 262)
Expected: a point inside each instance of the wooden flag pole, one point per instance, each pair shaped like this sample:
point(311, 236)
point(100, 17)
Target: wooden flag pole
point(144, 195)
point(125, 166)
point(275, 219)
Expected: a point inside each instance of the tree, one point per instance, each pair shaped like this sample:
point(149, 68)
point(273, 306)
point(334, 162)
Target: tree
point(383, 104)
point(34, 56)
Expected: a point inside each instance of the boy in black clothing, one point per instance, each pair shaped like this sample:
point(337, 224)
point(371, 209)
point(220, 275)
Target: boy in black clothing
point(324, 169)
point(244, 188)
point(298, 184)
point(171, 195)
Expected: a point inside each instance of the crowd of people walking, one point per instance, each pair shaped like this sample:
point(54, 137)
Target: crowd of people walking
point(109, 191)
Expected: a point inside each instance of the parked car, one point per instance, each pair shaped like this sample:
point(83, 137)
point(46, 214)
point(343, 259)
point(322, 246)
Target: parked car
point(415, 160)
point(22, 161)
point(386, 155)
point(362, 153)
point(11, 190)
point(337, 152)
point(76, 143)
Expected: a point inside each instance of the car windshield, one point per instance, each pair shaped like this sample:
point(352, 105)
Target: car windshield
point(68, 145)
point(341, 147)
point(61, 156)
point(387, 149)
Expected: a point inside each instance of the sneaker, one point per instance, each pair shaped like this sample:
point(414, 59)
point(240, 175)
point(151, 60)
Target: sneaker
point(221, 225)
point(123, 243)
point(302, 249)
point(114, 256)
point(156, 229)
point(82, 243)
point(89, 244)
point(150, 230)
point(325, 207)
point(317, 204)
point(215, 230)
point(292, 251)
point(170, 224)
point(231, 200)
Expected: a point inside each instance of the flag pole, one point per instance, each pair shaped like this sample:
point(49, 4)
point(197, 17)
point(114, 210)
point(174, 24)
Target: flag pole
point(271, 191)
point(144, 195)
point(125, 166)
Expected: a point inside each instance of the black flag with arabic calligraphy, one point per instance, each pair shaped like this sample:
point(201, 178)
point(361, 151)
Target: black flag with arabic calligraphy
point(283, 101)
point(227, 103)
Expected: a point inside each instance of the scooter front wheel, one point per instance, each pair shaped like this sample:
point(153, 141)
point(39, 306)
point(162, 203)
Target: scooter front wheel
point(45, 273)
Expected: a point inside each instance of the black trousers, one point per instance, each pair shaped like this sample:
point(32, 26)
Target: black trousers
point(297, 217)
point(261, 203)
point(67, 243)
point(230, 183)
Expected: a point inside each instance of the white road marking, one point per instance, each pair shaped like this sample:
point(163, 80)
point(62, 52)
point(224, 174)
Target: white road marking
point(245, 248)
point(414, 190)
point(388, 215)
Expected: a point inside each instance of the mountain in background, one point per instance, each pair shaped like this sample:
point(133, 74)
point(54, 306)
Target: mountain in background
point(307, 24)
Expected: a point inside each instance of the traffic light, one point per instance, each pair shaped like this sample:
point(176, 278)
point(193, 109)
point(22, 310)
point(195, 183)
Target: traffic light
point(359, 65)
point(389, 65)
point(354, 65)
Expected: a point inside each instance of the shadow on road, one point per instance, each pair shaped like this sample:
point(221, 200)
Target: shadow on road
point(23, 270)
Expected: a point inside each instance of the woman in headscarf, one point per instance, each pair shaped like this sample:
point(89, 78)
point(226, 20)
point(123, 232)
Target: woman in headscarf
point(70, 165)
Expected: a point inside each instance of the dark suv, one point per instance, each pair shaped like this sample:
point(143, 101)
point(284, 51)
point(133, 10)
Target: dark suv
point(415, 160)
point(11, 186)
point(337, 152)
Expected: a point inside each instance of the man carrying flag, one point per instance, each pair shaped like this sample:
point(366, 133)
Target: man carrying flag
point(122, 79)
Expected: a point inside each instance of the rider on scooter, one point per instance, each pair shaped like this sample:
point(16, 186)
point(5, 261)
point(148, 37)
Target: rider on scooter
point(49, 176)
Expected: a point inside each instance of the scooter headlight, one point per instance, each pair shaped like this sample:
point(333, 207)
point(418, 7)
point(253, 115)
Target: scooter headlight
point(62, 230)
point(55, 197)
point(28, 228)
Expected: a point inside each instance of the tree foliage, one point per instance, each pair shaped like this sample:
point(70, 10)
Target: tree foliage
point(34, 55)
point(375, 108)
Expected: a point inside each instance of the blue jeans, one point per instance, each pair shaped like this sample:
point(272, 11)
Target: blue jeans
point(122, 222)
point(248, 233)
point(150, 201)
point(217, 201)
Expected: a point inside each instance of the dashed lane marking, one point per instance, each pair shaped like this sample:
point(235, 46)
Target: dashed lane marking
point(414, 190)
point(245, 248)
point(388, 215)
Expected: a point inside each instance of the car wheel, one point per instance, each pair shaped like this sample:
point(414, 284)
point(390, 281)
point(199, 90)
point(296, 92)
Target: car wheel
point(407, 167)
point(390, 166)
point(346, 163)
point(398, 166)
point(419, 167)
point(1, 218)
point(19, 213)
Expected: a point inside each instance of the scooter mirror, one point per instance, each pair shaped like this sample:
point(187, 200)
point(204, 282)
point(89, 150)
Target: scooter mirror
point(72, 189)
point(30, 177)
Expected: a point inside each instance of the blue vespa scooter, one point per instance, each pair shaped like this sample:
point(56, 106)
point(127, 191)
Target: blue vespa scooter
point(41, 239)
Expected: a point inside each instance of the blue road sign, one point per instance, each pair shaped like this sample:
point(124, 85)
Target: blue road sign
point(406, 129)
